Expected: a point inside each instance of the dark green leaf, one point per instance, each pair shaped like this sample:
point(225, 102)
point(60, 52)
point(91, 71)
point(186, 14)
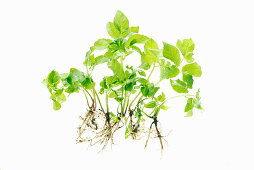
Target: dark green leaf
point(88, 83)
point(188, 79)
point(129, 86)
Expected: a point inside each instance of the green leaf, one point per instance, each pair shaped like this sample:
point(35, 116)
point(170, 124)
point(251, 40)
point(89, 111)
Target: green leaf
point(136, 38)
point(171, 52)
point(189, 114)
point(188, 79)
point(53, 77)
point(150, 44)
point(45, 82)
point(148, 90)
point(117, 69)
point(142, 81)
point(150, 59)
point(121, 22)
point(134, 29)
point(164, 63)
point(127, 132)
point(72, 89)
point(56, 105)
point(189, 106)
point(111, 80)
point(129, 86)
point(112, 30)
point(169, 72)
point(76, 76)
point(163, 107)
point(89, 57)
point(114, 117)
point(142, 73)
point(61, 98)
point(179, 86)
point(112, 94)
point(100, 60)
point(135, 48)
point(193, 69)
point(144, 65)
point(88, 83)
point(197, 103)
point(102, 44)
point(161, 97)
point(186, 47)
point(151, 104)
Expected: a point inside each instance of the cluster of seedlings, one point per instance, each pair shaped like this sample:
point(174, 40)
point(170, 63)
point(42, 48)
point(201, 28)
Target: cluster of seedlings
point(136, 97)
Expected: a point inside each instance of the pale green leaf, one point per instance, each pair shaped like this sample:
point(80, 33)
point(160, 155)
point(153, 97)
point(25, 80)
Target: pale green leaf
point(56, 105)
point(169, 72)
point(193, 69)
point(189, 105)
point(189, 114)
point(113, 31)
point(179, 86)
point(186, 47)
point(151, 104)
point(163, 107)
point(136, 38)
point(150, 44)
point(171, 52)
point(102, 44)
point(121, 22)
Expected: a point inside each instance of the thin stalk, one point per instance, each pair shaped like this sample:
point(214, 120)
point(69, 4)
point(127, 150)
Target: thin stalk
point(86, 97)
point(124, 103)
point(128, 100)
point(107, 103)
point(98, 98)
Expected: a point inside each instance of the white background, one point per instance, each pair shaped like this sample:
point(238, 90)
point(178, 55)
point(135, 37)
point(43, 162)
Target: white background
point(38, 36)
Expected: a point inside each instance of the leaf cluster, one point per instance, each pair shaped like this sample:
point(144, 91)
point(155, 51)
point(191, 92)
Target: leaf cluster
point(136, 95)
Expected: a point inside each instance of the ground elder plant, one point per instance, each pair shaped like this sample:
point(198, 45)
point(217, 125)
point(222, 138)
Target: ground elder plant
point(137, 98)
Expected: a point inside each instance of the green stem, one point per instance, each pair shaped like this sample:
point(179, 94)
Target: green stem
point(98, 98)
point(125, 98)
point(107, 102)
point(86, 97)
point(128, 100)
